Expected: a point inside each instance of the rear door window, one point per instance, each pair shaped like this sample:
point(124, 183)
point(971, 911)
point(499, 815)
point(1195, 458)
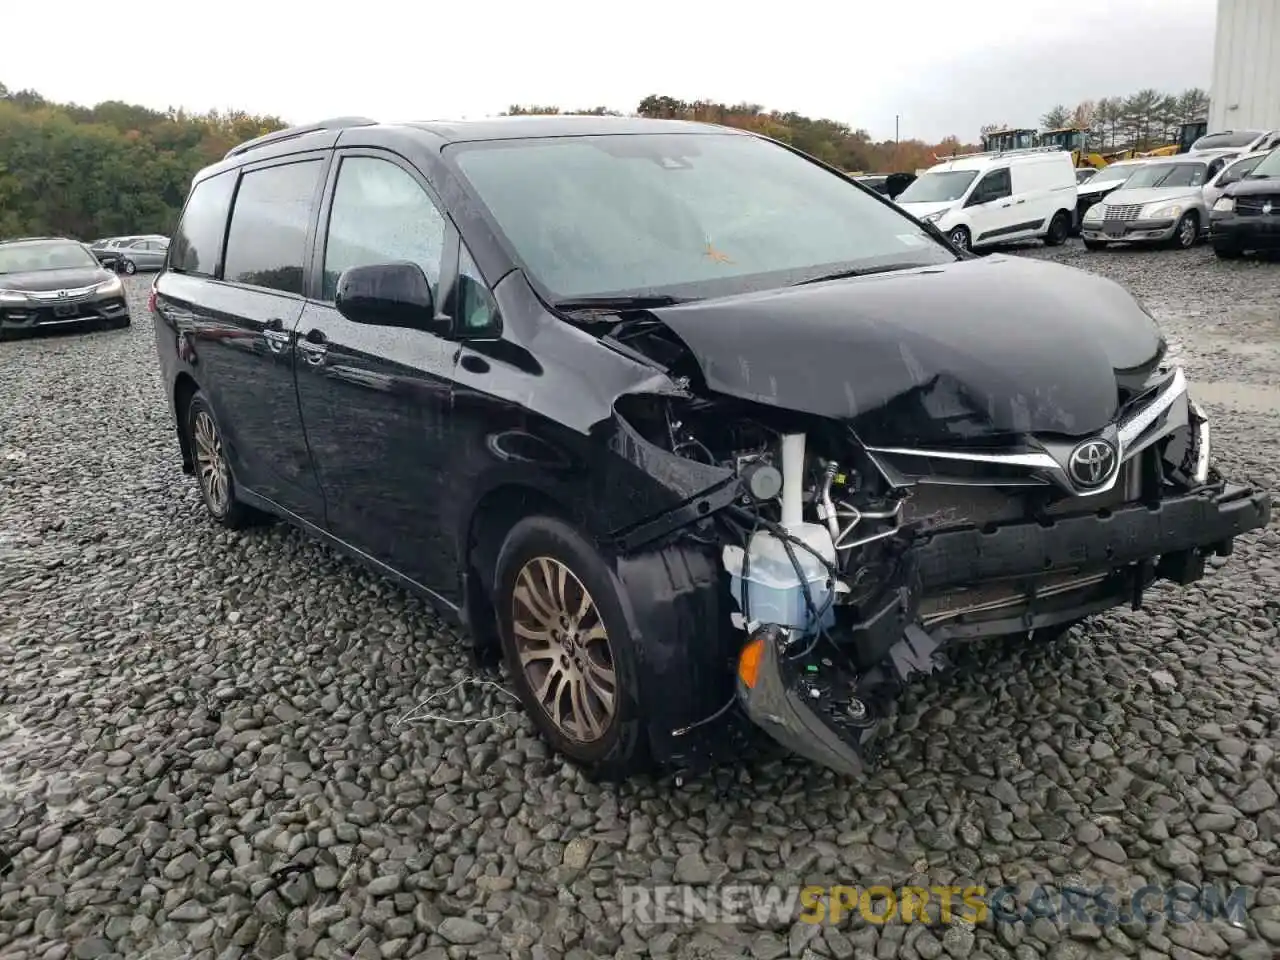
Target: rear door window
point(197, 243)
point(267, 240)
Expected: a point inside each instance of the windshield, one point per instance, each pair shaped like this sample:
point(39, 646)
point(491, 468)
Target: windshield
point(681, 214)
point(939, 187)
point(1167, 175)
point(1269, 167)
point(33, 257)
point(1114, 174)
point(1214, 141)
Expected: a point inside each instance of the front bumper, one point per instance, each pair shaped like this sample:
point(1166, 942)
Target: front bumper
point(1260, 232)
point(1207, 520)
point(830, 715)
point(1128, 231)
point(33, 315)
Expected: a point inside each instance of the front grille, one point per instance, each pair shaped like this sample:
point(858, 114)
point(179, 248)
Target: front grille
point(61, 296)
point(938, 506)
point(1123, 211)
point(1251, 206)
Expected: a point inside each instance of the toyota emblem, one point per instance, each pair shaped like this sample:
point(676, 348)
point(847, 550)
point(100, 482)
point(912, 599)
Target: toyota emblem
point(1091, 463)
point(62, 294)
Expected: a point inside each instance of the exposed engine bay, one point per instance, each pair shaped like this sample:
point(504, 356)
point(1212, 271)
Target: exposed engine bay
point(851, 566)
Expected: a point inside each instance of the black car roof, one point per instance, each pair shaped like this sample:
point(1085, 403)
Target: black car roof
point(435, 135)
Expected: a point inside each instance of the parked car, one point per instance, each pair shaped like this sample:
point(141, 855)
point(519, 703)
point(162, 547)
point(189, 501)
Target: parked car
point(140, 253)
point(1245, 141)
point(53, 282)
point(691, 428)
point(1236, 169)
point(105, 250)
point(887, 184)
point(1105, 181)
point(989, 198)
point(1246, 217)
point(1161, 203)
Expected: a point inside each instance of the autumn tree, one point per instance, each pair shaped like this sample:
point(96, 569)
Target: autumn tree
point(1057, 118)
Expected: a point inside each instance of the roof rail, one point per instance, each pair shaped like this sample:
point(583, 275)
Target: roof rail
point(998, 153)
point(278, 136)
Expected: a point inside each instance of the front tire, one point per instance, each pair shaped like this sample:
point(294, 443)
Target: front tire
point(208, 455)
point(1226, 251)
point(1059, 229)
point(1187, 232)
point(959, 237)
point(569, 649)
point(130, 267)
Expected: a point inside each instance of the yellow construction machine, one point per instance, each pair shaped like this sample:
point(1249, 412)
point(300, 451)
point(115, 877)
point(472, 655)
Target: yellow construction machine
point(1076, 140)
point(1012, 138)
point(1188, 133)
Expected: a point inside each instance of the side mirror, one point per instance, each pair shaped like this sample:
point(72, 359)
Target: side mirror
point(387, 295)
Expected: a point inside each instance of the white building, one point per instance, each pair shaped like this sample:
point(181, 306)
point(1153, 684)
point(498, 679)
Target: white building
point(1245, 92)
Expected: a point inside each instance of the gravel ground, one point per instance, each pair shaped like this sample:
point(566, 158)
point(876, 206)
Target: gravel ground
point(203, 750)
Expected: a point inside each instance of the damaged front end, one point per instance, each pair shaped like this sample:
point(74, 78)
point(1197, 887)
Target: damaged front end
point(851, 565)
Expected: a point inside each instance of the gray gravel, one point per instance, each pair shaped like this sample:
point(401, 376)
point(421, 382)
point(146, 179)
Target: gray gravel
point(200, 752)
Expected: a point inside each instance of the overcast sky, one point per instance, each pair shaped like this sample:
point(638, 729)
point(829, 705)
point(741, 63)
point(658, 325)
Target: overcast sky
point(944, 66)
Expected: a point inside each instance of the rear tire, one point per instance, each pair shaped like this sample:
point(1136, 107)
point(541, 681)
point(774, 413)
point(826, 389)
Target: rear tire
point(213, 473)
point(564, 633)
point(1059, 229)
point(1095, 244)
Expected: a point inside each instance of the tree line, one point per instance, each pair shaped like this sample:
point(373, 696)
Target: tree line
point(1142, 120)
point(838, 144)
point(119, 168)
point(112, 169)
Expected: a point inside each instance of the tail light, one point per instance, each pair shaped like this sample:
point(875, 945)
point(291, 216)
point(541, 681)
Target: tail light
point(151, 300)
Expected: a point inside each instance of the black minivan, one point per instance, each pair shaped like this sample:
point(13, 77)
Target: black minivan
point(691, 426)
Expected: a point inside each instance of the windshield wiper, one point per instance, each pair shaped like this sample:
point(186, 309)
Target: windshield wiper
point(617, 304)
point(860, 272)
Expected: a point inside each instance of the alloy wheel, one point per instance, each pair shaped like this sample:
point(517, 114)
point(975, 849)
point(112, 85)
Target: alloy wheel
point(214, 478)
point(563, 649)
point(1187, 231)
point(960, 238)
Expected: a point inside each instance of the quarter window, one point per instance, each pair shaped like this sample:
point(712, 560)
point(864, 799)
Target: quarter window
point(476, 308)
point(197, 243)
point(381, 214)
point(267, 242)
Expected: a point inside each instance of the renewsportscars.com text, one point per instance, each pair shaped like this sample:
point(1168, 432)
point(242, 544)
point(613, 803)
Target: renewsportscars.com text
point(1103, 906)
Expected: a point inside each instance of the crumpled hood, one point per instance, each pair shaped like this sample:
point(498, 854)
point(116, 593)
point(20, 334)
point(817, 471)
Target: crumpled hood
point(69, 278)
point(969, 351)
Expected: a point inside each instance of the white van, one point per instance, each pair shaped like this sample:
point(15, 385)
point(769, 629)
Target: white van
point(998, 197)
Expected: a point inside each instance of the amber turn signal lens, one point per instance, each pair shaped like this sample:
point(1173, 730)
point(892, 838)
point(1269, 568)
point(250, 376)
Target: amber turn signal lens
point(749, 662)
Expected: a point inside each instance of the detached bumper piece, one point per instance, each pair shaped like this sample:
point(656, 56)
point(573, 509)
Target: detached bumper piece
point(806, 703)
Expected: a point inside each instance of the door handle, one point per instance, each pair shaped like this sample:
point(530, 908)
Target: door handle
point(1022, 201)
point(275, 334)
point(314, 346)
point(1006, 205)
